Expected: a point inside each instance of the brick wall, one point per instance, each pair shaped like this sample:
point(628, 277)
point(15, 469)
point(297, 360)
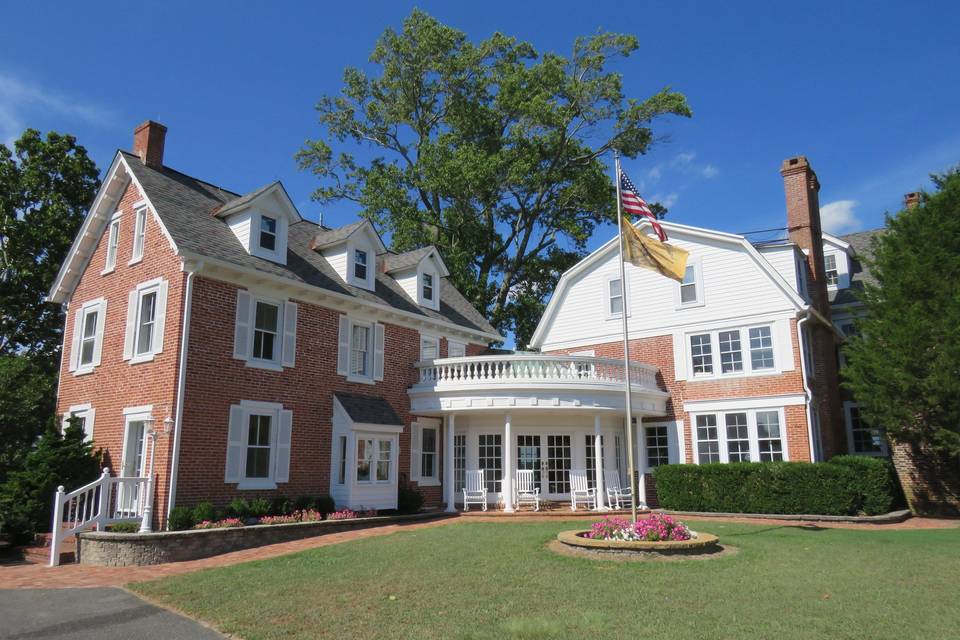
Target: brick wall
point(930, 484)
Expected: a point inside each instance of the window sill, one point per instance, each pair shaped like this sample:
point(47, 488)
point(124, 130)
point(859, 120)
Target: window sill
point(690, 305)
point(135, 261)
point(251, 485)
point(147, 357)
point(262, 364)
point(696, 377)
point(108, 271)
point(428, 482)
point(361, 380)
point(84, 371)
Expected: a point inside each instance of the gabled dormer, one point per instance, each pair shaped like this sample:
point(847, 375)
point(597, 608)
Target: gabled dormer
point(352, 251)
point(260, 221)
point(837, 262)
point(420, 273)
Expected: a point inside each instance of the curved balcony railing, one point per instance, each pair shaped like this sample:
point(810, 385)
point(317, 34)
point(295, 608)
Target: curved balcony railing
point(486, 371)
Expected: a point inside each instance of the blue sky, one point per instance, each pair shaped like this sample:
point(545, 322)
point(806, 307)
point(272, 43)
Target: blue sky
point(869, 95)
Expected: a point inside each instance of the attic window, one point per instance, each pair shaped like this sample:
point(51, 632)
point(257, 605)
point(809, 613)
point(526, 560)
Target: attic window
point(268, 233)
point(360, 264)
point(428, 286)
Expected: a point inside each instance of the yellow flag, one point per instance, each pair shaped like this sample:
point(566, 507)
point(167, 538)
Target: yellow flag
point(647, 253)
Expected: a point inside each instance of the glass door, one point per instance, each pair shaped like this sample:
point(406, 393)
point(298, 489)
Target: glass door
point(134, 458)
point(557, 466)
point(528, 457)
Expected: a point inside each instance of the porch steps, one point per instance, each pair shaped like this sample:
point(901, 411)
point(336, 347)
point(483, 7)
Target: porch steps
point(39, 552)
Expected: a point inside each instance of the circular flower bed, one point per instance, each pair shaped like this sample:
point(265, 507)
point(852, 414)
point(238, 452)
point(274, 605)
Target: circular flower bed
point(657, 535)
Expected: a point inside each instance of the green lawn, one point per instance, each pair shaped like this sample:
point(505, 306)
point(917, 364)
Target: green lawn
point(497, 580)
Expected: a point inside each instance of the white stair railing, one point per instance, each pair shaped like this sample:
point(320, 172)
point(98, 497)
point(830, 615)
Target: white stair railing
point(97, 504)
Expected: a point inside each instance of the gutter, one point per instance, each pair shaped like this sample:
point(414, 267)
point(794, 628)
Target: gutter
point(806, 387)
point(181, 385)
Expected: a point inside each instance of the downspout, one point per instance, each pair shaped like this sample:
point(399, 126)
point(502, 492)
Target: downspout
point(806, 387)
point(181, 385)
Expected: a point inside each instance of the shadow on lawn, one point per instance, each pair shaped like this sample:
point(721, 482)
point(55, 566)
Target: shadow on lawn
point(802, 527)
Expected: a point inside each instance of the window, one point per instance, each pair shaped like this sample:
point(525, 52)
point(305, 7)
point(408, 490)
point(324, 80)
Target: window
point(864, 439)
point(139, 234)
point(342, 458)
point(384, 459)
point(490, 459)
point(146, 311)
point(428, 453)
point(761, 348)
point(830, 268)
point(146, 323)
point(429, 347)
point(731, 358)
point(592, 459)
point(83, 416)
point(88, 336)
point(768, 436)
point(708, 442)
point(428, 287)
point(266, 327)
point(618, 456)
point(702, 354)
point(456, 349)
point(738, 437)
point(459, 462)
point(658, 447)
point(360, 264)
point(258, 446)
point(360, 350)
point(364, 459)
point(268, 234)
point(689, 293)
point(113, 243)
point(615, 295)
point(374, 460)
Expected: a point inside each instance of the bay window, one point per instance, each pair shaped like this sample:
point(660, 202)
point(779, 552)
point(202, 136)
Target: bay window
point(374, 460)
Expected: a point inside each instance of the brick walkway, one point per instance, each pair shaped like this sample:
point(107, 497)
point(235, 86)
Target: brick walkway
point(26, 576)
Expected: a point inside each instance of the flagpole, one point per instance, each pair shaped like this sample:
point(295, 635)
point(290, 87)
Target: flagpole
point(626, 344)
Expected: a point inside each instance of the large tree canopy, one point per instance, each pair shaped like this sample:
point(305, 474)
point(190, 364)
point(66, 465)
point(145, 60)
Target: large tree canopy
point(491, 151)
point(904, 366)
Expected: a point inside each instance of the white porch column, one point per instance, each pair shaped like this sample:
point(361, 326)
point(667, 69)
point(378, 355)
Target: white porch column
point(448, 470)
point(598, 462)
point(641, 463)
point(506, 453)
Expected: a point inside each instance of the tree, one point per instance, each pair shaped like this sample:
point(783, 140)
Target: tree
point(904, 366)
point(491, 151)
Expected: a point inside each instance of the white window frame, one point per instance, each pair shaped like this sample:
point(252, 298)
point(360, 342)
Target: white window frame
point(273, 364)
point(275, 233)
point(422, 300)
point(273, 410)
point(342, 453)
point(84, 411)
point(131, 415)
point(434, 478)
point(361, 244)
point(143, 291)
point(428, 341)
point(98, 306)
point(848, 422)
point(753, 435)
point(139, 232)
point(697, 267)
point(456, 349)
point(802, 287)
point(608, 298)
point(374, 457)
point(370, 346)
point(113, 245)
point(425, 285)
point(746, 354)
point(836, 270)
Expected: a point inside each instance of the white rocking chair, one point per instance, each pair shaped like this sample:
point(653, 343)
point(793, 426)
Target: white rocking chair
point(617, 496)
point(580, 490)
point(525, 491)
point(474, 490)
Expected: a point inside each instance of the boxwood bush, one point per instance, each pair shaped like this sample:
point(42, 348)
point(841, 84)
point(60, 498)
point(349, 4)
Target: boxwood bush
point(846, 485)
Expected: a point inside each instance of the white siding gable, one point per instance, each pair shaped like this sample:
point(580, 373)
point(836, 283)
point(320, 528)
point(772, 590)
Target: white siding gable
point(342, 258)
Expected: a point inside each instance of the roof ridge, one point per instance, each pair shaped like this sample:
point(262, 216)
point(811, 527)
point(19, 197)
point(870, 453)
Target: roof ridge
point(186, 175)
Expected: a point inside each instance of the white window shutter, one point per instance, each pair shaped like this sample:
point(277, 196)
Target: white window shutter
point(241, 336)
point(75, 343)
point(132, 301)
point(284, 438)
point(289, 334)
point(98, 343)
point(343, 347)
point(673, 442)
point(378, 351)
point(236, 450)
point(160, 317)
point(414, 451)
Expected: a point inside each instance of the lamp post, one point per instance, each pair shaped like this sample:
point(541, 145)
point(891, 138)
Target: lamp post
point(146, 520)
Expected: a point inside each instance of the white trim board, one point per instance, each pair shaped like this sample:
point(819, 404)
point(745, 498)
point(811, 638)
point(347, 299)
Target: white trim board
point(763, 402)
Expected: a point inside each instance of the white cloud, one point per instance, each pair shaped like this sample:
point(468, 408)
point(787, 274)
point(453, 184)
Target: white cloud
point(666, 199)
point(685, 158)
point(20, 99)
point(709, 171)
point(839, 216)
point(655, 174)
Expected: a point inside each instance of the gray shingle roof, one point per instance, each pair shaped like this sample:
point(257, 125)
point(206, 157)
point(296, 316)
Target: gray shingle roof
point(861, 243)
point(396, 261)
point(239, 202)
point(326, 237)
point(368, 409)
point(187, 206)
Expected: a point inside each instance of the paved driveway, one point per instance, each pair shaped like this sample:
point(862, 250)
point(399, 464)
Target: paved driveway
point(88, 614)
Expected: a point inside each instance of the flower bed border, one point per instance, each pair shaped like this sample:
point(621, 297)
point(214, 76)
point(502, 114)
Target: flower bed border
point(703, 543)
point(105, 548)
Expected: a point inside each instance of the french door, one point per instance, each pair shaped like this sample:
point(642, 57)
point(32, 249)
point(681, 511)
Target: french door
point(550, 458)
point(134, 465)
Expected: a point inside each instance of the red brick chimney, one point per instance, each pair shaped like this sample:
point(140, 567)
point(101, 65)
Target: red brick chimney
point(803, 224)
point(148, 143)
point(911, 200)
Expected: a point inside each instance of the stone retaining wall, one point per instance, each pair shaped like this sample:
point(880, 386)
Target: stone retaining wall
point(104, 548)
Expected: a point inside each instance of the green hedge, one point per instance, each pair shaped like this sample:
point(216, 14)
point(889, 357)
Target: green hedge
point(846, 485)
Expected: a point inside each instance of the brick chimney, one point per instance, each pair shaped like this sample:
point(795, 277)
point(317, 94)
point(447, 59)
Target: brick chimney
point(911, 200)
point(803, 224)
point(148, 143)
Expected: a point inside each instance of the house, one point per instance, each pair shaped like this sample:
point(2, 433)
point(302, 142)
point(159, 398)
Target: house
point(287, 358)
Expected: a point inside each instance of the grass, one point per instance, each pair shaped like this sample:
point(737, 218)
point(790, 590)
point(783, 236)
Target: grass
point(497, 580)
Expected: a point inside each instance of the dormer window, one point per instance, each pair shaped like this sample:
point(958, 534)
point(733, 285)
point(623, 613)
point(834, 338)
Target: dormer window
point(830, 269)
point(360, 264)
point(268, 233)
point(428, 287)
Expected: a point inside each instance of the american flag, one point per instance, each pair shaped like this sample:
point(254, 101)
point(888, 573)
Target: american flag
point(635, 205)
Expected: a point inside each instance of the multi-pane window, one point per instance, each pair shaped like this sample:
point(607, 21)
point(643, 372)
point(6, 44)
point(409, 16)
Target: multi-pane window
point(258, 446)
point(384, 457)
point(761, 348)
point(364, 459)
point(266, 327)
point(658, 448)
point(830, 269)
point(688, 288)
point(456, 349)
point(139, 233)
point(702, 353)
point(360, 264)
point(429, 348)
point(731, 356)
point(113, 243)
point(708, 441)
point(146, 321)
point(342, 460)
point(615, 291)
point(268, 233)
point(88, 337)
point(769, 439)
point(360, 350)
point(490, 459)
point(738, 437)
point(864, 438)
point(428, 452)
point(428, 286)
point(459, 462)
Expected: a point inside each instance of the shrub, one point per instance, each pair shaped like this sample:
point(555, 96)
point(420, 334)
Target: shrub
point(304, 502)
point(125, 527)
point(875, 482)
point(281, 506)
point(226, 523)
point(181, 519)
point(258, 508)
point(237, 508)
point(325, 505)
point(409, 499)
point(824, 488)
point(204, 511)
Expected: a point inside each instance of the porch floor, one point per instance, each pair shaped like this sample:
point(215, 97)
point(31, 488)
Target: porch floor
point(548, 509)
